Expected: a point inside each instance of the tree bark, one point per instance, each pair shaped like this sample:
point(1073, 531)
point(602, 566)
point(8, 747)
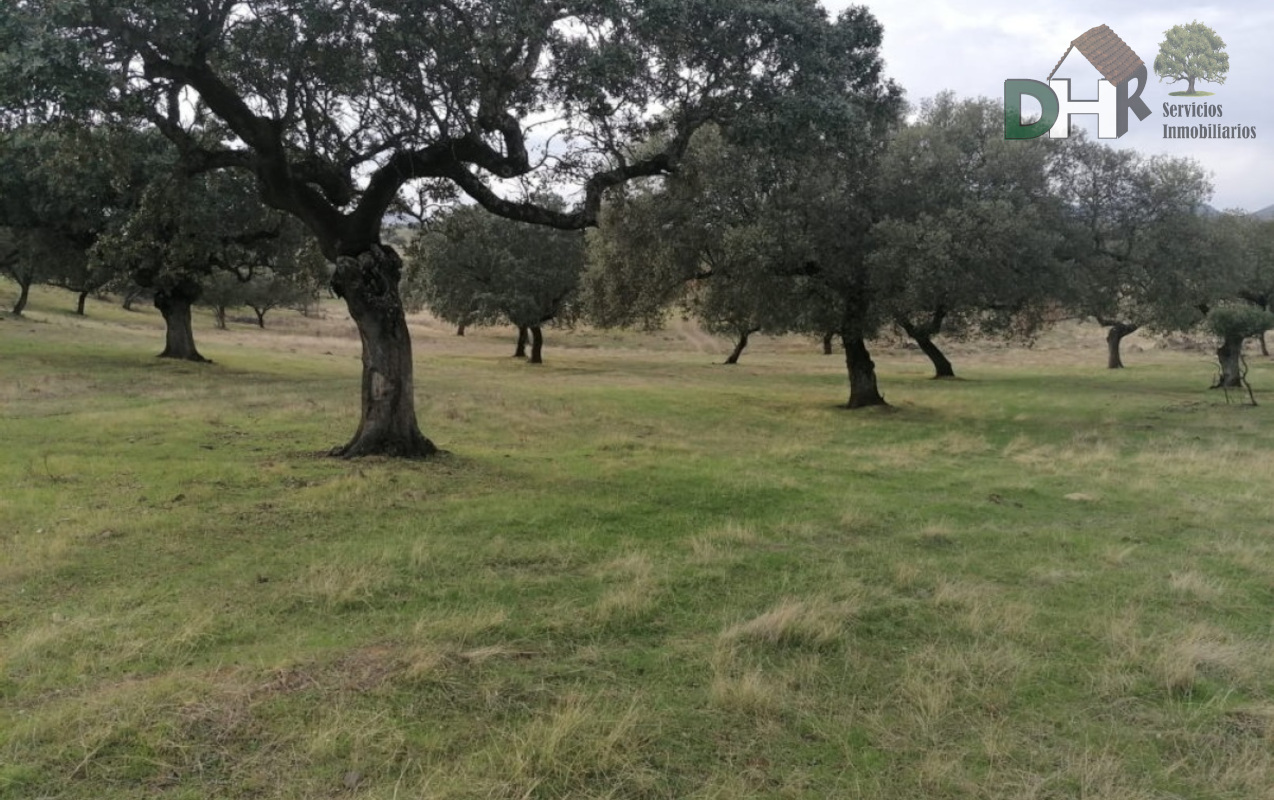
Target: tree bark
point(740, 346)
point(923, 335)
point(129, 297)
point(827, 342)
point(1230, 355)
point(219, 314)
point(537, 345)
point(179, 336)
point(368, 282)
point(1265, 348)
point(260, 312)
point(1190, 88)
point(24, 291)
point(1114, 338)
point(863, 391)
point(460, 329)
point(523, 337)
point(79, 302)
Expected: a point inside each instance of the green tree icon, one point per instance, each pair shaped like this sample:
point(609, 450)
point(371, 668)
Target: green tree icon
point(1192, 52)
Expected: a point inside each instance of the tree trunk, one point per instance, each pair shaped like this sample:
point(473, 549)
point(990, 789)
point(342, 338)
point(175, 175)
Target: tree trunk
point(523, 337)
point(79, 302)
point(174, 304)
point(1114, 337)
point(862, 374)
point(739, 347)
point(24, 291)
point(219, 315)
point(368, 282)
point(1190, 88)
point(460, 329)
point(827, 342)
point(537, 345)
point(261, 312)
point(1265, 349)
point(942, 367)
point(129, 297)
point(1230, 355)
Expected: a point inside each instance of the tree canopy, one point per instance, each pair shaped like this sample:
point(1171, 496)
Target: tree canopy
point(336, 109)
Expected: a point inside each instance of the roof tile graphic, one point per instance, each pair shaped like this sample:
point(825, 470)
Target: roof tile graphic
point(1103, 48)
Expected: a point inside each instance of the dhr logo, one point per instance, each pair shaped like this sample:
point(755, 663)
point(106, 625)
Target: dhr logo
point(1119, 66)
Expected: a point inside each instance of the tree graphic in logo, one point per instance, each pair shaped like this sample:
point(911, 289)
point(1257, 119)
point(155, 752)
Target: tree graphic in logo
point(1190, 53)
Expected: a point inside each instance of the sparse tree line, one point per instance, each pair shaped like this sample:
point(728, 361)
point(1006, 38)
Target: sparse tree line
point(607, 161)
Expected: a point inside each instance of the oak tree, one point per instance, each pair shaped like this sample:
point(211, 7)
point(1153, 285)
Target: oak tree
point(336, 108)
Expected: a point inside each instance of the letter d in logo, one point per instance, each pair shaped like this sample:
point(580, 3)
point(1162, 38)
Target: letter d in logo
point(1014, 88)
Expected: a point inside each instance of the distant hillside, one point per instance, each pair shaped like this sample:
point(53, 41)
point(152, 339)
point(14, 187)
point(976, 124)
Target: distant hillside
point(1266, 213)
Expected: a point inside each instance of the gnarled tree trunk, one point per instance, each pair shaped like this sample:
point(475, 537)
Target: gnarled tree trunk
point(863, 391)
point(523, 337)
point(923, 335)
point(740, 346)
point(537, 345)
point(174, 304)
point(368, 282)
point(1230, 356)
point(1114, 338)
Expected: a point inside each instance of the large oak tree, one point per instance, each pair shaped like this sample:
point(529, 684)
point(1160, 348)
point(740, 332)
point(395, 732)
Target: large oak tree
point(336, 107)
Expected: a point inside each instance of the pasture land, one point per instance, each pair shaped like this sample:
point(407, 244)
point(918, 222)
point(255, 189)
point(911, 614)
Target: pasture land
point(636, 574)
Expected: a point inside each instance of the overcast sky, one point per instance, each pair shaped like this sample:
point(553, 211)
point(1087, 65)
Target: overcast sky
point(972, 46)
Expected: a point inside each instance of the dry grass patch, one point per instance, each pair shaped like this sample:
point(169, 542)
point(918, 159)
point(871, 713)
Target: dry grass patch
point(1194, 584)
point(632, 591)
point(580, 748)
point(1205, 651)
point(797, 623)
point(340, 587)
point(723, 543)
point(462, 626)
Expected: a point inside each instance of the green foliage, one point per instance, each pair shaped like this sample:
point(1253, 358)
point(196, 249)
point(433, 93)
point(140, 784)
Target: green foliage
point(188, 227)
point(969, 224)
point(336, 108)
point(1239, 321)
point(470, 267)
point(1141, 254)
point(703, 239)
point(1192, 52)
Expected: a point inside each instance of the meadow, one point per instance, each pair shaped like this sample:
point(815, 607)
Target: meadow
point(634, 574)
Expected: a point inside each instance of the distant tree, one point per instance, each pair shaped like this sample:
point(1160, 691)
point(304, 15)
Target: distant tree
point(335, 108)
point(185, 229)
point(60, 189)
point(1139, 250)
point(1248, 244)
point(968, 226)
point(468, 266)
point(1192, 52)
point(698, 240)
point(1233, 324)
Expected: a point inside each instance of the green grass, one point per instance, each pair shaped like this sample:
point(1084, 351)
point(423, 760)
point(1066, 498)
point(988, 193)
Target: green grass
point(636, 574)
point(1195, 93)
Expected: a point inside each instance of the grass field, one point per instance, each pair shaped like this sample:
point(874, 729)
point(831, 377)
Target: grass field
point(636, 574)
